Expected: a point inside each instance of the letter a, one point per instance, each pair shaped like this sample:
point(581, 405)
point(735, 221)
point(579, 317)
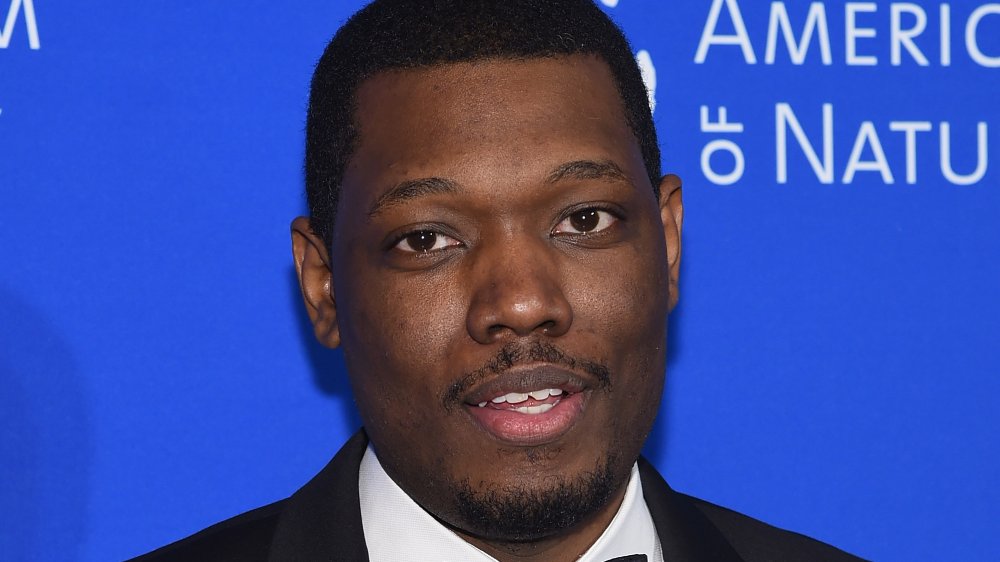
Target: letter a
point(709, 37)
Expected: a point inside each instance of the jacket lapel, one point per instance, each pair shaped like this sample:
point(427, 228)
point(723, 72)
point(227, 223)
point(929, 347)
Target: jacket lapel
point(322, 521)
point(685, 533)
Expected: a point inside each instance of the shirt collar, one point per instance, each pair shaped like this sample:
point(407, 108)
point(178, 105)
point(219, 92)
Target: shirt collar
point(386, 509)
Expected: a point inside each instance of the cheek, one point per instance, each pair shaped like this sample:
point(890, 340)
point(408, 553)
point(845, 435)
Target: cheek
point(622, 295)
point(397, 330)
point(621, 305)
point(424, 314)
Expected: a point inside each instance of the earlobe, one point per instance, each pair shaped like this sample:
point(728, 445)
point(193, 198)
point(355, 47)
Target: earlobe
point(672, 216)
point(312, 265)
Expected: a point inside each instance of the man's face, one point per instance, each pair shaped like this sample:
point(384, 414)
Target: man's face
point(500, 285)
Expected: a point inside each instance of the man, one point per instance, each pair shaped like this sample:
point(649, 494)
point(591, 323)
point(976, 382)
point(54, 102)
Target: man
point(492, 244)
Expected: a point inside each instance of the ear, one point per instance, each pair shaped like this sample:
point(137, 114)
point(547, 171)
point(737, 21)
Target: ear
point(672, 216)
point(312, 264)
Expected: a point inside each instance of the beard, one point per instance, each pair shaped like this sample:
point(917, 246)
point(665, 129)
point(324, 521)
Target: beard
point(517, 513)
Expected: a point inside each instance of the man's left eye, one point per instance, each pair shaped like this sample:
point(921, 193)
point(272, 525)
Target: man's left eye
point(586, 221)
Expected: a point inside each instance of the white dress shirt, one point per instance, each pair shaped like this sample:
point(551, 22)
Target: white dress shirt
point(399, 530)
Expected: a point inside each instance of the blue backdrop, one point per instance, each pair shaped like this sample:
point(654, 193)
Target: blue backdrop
point(835, 358)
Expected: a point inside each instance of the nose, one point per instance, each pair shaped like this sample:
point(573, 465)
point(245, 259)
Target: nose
point(517, 292)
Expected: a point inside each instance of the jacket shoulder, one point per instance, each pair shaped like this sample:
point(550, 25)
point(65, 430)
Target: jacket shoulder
point(246, 537)
point(758, 541)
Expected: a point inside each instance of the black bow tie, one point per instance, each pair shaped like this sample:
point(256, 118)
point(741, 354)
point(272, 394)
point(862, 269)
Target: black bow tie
point(630, 558)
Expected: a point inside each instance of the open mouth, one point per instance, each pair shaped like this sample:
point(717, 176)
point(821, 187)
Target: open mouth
point(529, 407)
point(530, 403)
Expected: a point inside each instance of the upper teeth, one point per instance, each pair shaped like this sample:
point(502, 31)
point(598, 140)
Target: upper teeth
point(518, 397)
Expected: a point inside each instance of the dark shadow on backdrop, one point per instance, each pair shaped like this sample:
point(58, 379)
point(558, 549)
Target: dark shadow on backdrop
point(46, 447)
point(328, 371)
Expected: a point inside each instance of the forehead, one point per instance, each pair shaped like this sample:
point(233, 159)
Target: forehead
point(487, 117)
point(486, 87)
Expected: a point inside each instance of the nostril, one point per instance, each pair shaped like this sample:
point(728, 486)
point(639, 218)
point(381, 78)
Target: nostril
point(546, 326)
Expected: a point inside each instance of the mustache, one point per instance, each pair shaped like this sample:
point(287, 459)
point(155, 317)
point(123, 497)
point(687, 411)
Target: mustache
point(513, 354)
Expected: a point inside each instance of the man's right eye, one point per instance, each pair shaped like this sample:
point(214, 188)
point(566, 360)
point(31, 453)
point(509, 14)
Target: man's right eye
point(424, 242)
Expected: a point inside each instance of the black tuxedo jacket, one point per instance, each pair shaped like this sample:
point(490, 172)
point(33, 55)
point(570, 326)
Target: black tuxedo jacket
point(322, 522)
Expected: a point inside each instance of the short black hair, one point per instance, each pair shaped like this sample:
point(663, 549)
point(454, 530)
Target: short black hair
point(404, 34)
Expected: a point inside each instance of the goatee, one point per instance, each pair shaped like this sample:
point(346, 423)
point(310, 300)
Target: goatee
point(517, 513)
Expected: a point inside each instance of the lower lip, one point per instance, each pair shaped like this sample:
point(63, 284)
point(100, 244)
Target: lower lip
point(530, 429)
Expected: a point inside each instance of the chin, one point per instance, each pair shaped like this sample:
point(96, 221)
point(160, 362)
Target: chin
point(532, 509)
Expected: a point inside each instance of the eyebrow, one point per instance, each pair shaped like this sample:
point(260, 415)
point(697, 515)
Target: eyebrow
point(577, 169)
point(588, 170)
point(411, 189)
